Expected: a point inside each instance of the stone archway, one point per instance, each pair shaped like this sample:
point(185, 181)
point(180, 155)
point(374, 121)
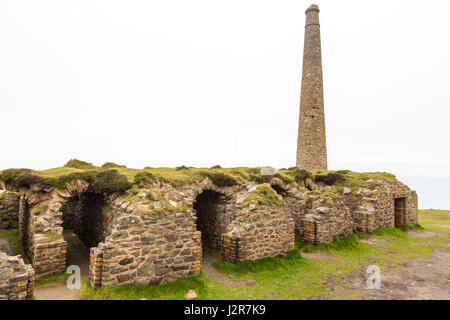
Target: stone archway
point(210, 207)
point(279, 189)
point(84, 227)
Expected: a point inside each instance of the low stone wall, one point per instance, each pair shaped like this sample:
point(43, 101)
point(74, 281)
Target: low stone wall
point(258, 232)
point(373, 213)
point(26, 227)
point(412, 208)
point(45, 249)
point(325, 221)
point(147, 249)
point(49, 256)
point(9, 209)
point(16, 278)
point(323, 215)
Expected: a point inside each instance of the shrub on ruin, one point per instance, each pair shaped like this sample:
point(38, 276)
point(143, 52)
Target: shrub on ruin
point(299, 175)
point(104, 181)
point(108, 181)
point(181, 168)
point(109, 165)
point(263, 195)
point(24, 178)
point(78, 164)
point(143, 177)
point(330, 179)
point(220, 179)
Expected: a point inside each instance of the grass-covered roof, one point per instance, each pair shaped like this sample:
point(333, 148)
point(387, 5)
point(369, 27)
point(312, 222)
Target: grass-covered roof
point(111, 177)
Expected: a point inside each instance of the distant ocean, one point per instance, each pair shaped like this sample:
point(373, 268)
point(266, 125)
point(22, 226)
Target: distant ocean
point(433, 193)
point(431, 179)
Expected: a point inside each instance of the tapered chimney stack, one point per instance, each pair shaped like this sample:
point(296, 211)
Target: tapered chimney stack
point(311, 144)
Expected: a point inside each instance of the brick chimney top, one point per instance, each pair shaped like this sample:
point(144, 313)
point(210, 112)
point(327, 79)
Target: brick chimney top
point(313, 7)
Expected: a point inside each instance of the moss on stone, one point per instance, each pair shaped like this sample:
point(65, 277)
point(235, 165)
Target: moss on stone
point(110, 181)
point(262, 195)
point(326, 194)
point(20, 177)
point(12, 237)
point(220, 178)
point(36, 210)
point(294, 174)
point(330, 179)
point(115, 178)
point(104, 181)
point(53, 236)
point(107, 211)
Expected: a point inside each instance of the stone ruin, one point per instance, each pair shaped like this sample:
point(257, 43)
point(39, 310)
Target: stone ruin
point(16, 277)
point(156, 232)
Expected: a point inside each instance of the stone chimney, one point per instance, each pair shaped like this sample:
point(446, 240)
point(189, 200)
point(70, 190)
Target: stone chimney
point(311, 143)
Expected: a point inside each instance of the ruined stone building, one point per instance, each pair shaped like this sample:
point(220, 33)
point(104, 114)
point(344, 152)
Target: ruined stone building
point(154, 229)
point(152, 225)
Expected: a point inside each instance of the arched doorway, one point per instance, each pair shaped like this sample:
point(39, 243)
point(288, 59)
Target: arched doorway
point(83, 227)
point(210, 207)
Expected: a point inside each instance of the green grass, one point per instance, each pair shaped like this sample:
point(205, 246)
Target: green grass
point(265, 264)
point(169, 291)
point(53, 236)
point(263, 195)
point(297, 277)
point(411, 227)
point(12, 236)
point(78, 164)
point(111, 177)
point(351, 243)
point(51, 281)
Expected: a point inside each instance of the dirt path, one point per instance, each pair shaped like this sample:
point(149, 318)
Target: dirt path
point(218, 276)
point(77, 254)
point(59, 292)
point(4, 246)
point(316, 255)
point(419, 279)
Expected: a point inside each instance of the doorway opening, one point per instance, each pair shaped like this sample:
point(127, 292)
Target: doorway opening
point(211, 218)
point(83, 227)
point(399, 211)
point(280, 190)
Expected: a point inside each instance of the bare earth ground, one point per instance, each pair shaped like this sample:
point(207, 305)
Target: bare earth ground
point(424, 278)
point(4, 246)
point(317, 255)
point(420, 279)
point(77, 254)
point(59, 292)
point(218, 276)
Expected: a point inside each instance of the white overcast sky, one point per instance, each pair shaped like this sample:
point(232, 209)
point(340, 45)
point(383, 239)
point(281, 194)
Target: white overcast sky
point(200, 83)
